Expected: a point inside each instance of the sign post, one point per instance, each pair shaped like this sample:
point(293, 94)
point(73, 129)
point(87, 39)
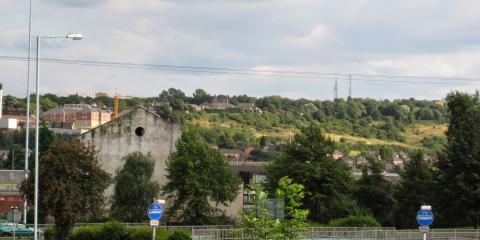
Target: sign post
point(424, 219)
point(154, 212)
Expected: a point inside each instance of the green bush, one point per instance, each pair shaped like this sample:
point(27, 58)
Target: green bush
point(140, 233)
point(113, 231)
point(49, 233)
point(86, 233)
point(355, 221)
point(145, 233)
point(179, 235)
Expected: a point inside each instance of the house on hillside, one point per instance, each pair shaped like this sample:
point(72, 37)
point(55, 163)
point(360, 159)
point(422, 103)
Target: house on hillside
point(360, 161)
point(399, 162)
point(247, 106)
point(4, 154)
point(350, 161)
point(220, 102)
point(337, 155)
point(248, 150)
point(234, 155)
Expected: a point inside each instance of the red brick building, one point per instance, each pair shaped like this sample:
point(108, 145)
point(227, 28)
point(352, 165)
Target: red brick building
point(76, 116)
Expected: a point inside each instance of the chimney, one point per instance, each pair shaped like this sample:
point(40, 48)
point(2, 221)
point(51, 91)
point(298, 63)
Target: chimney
point(1, 100)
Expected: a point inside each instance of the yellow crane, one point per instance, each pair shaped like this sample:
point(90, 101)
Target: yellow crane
point(115, 105)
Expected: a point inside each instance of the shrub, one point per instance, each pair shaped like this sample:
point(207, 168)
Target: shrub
point(86, 233)
point(179, 235)
point(355, 221)
point(115, 231)
point(112, 230)
point(50, 233)
point(145, 233)
point(140, 233)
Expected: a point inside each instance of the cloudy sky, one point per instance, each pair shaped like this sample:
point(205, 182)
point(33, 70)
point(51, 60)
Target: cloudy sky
point(428, 38)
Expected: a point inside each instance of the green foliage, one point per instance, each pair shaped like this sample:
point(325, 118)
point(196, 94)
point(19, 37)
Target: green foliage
point(414, 189)
point(458, 167)
point(434, 144)
point(179, 235)
point(355, 221)
point(328, 183)
point(133, 188)
point(228, 137)
point(375, 194)
point(115, 231)
point(49, 233)
point(261, 222)
point(72, 184)
point(197, 175)
point(386, 152)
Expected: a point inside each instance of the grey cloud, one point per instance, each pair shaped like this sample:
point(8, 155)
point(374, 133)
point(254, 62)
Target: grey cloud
point(76, 3)
point(247, 34)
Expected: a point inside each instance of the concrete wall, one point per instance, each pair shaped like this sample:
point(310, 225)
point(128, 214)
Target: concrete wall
point(117, 138)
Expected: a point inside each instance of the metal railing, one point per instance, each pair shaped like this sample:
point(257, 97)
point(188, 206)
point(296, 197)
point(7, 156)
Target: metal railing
point(303, 233)
point(317, 233)
point(221, 232)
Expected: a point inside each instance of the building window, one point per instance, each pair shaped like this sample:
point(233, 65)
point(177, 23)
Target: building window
point(139, 131)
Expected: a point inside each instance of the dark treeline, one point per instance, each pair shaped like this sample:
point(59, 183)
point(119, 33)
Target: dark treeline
point(407, 110)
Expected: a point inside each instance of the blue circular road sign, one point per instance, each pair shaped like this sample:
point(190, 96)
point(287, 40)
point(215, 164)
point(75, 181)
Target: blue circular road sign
point(424, 217)
point(155, 211)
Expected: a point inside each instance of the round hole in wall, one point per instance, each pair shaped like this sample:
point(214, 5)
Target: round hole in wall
point(140, 131)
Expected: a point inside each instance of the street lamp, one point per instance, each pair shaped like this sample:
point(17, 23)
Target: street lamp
point(13, 209)
point(75, 36)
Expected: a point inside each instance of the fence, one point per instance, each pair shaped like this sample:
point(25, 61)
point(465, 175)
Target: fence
point(304, 233)
point(320, 233)
point(220, 232)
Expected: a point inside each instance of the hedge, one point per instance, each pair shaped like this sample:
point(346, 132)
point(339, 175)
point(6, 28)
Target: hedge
point(355, 221)
point(117, 231)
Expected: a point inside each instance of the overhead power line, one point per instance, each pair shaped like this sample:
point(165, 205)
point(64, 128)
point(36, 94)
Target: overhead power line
point(266, 73)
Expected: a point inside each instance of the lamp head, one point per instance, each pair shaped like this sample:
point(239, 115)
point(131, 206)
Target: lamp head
point(75, 36)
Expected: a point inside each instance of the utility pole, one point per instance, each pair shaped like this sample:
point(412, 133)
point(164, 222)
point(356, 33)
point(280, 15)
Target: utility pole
point(335, 93)
point(350, 85)
point(27, 129)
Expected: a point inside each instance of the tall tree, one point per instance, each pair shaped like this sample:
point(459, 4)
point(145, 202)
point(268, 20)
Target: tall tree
point(133, 188)
point(459, 167)
point(308, 161)
point(71, 184)
point(200, 96)
point(374, 193)
point(198, 175)
point(413, 190)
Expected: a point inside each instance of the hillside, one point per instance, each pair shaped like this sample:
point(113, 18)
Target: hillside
point(413, 134)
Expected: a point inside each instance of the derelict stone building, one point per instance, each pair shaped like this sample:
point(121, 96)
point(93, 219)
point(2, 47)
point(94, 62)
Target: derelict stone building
point(139, 130)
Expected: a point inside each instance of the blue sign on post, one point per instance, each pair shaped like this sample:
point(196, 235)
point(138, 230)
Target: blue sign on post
point(424, 217)
point(155, 211)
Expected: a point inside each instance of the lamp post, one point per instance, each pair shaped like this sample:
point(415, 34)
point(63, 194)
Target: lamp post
point(37, 123)
point(14, 209)
point(27, 130)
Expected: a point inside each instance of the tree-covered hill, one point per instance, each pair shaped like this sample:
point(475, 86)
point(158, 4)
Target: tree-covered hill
point(355, 122)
